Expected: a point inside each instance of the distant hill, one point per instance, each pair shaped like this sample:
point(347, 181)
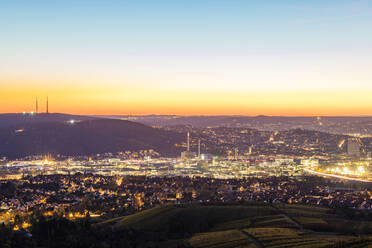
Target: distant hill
point(83, 138)
point(19, 118)
point(331, 124)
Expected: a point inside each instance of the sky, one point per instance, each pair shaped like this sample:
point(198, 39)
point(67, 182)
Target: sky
point(220, 57)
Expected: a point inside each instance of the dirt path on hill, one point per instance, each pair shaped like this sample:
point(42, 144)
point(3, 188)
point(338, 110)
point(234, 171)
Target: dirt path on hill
point(253, 239)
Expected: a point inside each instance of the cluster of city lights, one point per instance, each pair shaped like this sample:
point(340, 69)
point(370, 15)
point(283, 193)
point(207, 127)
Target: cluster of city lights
point(347, 171)
point(31, 113)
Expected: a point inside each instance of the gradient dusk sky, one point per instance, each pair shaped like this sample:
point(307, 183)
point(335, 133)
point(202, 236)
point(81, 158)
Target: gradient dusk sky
point(187, 57)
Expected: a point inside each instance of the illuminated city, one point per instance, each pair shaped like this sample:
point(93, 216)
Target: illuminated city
point(186, 124)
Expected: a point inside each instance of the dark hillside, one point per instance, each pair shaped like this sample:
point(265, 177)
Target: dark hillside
point(84, 138)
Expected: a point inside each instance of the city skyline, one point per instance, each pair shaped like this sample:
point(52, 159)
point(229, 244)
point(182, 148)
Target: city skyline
point(285, 58)
point(185, 124)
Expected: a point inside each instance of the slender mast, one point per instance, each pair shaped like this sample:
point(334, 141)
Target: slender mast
point(47, 105)
point(36, 106)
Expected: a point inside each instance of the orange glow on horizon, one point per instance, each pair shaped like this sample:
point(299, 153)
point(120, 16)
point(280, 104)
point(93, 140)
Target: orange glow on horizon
point(136, 101)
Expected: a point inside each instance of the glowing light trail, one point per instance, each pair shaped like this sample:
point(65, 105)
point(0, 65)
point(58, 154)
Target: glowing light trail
point(337, 176)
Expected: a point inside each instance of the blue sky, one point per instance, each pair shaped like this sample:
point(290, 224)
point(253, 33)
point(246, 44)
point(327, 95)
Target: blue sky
point(229, 46)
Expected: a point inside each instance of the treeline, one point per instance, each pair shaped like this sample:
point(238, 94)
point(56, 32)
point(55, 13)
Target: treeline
point(63, 233)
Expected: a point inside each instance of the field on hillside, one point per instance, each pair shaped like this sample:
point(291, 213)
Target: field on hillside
point(190, 218)
point(224, 239)
point(285, 237)
point(251, 225)
point(325, 219)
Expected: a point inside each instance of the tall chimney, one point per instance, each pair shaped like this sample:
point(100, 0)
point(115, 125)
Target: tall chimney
point(188, 141)
point(199, 149)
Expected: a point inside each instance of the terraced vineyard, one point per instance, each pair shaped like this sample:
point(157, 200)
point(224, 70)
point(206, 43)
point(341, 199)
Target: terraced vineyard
point(247, 226)
point(325, 219)
point(189, 218)
point(224, 239)
point(235, 224)
point(284, 237)
point(272, 221)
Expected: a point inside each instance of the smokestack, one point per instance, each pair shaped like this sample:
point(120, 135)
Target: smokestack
point(199, 149)
point(188, 141)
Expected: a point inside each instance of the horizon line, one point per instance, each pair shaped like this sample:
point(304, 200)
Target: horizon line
point(193, 115)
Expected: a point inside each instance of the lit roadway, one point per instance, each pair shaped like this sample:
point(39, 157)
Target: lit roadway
point(337, 176)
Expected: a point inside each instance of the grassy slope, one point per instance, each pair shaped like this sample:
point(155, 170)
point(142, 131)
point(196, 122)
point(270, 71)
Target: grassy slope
point(218, 226)
point(223, 239)
point(322, 219)
point(189, 218)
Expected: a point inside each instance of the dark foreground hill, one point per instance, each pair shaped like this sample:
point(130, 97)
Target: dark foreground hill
point(246, 225)
point(84, 138)
point(250, 225)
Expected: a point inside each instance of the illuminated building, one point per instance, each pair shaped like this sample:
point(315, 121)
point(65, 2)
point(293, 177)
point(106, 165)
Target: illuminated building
point(206, 156)
point(353, 148)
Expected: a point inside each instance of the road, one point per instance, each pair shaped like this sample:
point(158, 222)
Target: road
point(337, 176)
